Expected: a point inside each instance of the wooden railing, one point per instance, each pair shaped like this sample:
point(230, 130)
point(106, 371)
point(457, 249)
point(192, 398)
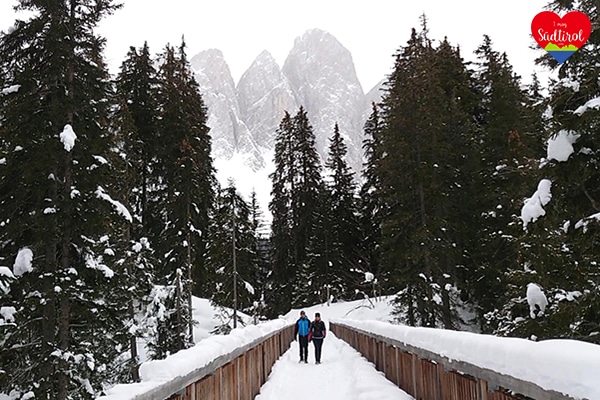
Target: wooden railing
point(429, 376)
point(238, 375)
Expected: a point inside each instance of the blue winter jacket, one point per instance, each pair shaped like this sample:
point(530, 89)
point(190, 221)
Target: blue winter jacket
point(302, 327)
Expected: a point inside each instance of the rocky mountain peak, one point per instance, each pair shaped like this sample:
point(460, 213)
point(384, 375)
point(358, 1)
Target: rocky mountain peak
point(264, 93)
point(229, 133)
point(322, 75)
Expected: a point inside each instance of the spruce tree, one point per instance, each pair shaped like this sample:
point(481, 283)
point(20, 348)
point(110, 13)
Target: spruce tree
point(307, 213)
point(342, 228)
point(260, 243)
point(184, 197)
point(283, 257)
point(425, 140)
point(558, 249)
point(135, 125)
point(58, 212)
point(232, 225)
point(504, 144)
point(297, 195)
point(371, 206)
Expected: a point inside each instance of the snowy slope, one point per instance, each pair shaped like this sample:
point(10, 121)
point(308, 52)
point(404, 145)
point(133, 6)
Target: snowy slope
point(375, 309)
point(206, 318)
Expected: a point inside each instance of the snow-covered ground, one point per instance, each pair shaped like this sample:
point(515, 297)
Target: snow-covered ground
point(375, 309)
point(344, 374)
point(206, 317)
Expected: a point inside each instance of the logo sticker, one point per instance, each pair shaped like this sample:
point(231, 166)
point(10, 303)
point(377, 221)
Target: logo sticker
point(561, 37)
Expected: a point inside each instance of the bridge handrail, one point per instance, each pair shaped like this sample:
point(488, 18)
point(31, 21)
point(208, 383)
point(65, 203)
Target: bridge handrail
point(493, 378)
point(177, 385)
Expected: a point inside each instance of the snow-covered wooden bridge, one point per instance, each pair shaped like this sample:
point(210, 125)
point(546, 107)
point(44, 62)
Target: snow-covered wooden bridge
point(370, 360)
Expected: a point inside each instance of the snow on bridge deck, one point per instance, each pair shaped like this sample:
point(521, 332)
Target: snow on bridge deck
point(344, 374)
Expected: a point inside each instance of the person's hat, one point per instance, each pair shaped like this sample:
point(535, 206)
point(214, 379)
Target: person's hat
point(317, 314)
point(302, 312)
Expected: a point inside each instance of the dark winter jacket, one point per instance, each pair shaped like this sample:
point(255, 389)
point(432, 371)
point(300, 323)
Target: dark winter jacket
point(302, 327)
point(317, 330)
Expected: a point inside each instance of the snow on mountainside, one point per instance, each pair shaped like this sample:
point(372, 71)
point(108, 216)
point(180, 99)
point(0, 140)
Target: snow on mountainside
point(318, 74)
point(324, 80)
point(264, 95)
point(229, 133)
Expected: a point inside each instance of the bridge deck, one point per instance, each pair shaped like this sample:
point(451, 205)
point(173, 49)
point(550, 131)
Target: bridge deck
point(343, 375)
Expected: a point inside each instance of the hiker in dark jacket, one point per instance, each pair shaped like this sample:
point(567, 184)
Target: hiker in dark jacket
point(302, 330)
point(317, 334)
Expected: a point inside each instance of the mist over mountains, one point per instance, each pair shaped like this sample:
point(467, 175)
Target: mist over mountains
point(318, 74)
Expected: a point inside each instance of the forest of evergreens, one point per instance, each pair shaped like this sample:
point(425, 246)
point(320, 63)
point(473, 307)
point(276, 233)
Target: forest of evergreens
point(111, 216)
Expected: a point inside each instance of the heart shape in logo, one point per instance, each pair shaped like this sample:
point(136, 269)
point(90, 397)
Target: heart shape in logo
point(561, 37)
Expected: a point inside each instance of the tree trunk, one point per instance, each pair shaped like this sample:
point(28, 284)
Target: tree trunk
point(189, 275)
point(135, 372)
point(64, 322)
point(49, 309)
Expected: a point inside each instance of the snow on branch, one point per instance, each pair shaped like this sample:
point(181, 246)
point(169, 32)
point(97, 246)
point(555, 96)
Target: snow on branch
point(10, 89)
point(536, 299)
point(6, 276)
point(92, 262)
point(67, 137)
point(534, 206)
point(121, 209)
point(583, 223)
point(7, 314)
point(5, 271)
point(560, 146)
point(23, 262)
point(593, 103)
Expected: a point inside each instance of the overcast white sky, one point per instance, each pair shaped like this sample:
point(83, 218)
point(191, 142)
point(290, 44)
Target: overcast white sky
point(372, 30)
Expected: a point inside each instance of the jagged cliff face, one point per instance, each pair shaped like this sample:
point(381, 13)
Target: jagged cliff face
point(322, 75)
point(229, 132)
point(318, 74)
point(264, 94)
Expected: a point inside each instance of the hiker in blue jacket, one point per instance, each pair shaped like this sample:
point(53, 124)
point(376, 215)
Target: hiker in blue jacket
point(301, 330)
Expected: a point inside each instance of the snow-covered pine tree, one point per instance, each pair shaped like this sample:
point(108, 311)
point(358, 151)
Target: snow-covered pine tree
point(135, 125)
point(184, 196)
point(297, 195)
point(371, 209)
point(506, 143)
point(262, 277)
point(559, 248)
point(283, 257)
point(342, 230)
point(232, 219)
point(424, 121)
point(58, 212)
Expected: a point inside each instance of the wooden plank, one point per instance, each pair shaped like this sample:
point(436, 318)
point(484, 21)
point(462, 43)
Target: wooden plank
point(389, 368)
point(205, 388)
point(219, 384)
point(243, 382)
point(228, 383)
